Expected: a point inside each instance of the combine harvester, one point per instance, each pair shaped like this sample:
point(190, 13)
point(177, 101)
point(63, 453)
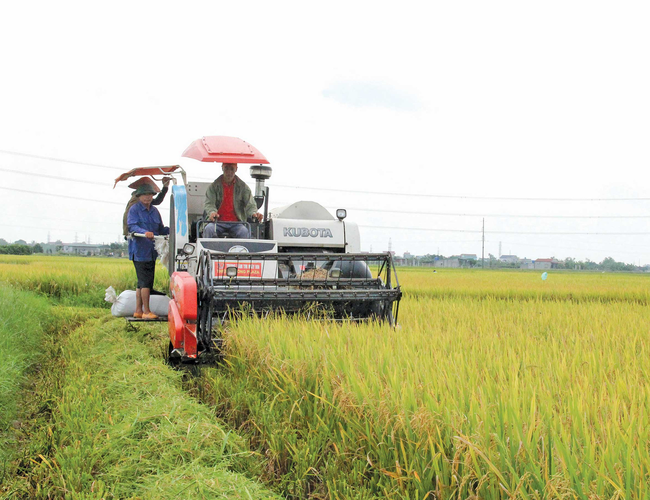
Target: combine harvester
point(299, 259)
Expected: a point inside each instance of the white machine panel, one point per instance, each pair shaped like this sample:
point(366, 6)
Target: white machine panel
point(247, 268)
point(308, 233)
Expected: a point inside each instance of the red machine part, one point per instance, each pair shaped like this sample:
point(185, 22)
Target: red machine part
point(224, 149)
point(182, 313)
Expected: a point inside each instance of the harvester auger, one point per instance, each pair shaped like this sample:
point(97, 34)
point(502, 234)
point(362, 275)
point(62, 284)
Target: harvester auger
point(299, 260)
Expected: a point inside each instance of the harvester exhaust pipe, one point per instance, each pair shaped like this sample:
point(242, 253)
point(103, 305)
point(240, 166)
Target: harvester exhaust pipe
point(260, 173)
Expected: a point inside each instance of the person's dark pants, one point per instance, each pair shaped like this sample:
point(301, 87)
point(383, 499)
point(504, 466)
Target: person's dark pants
point(218, 230)
point(145, 271)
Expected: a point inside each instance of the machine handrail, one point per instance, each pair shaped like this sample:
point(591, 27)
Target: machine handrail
point(340, 257)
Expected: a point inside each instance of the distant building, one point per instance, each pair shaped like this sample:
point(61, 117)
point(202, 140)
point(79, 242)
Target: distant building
point(467, 256)
point(52, 248)
point(83, 248)
point(409, 260)
point(509, 259)
point(451, 262)
point(75, 248)
point(526, 264)
point(545, 263)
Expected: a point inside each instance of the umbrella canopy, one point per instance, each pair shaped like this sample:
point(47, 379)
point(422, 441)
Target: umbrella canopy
point(224, 149)
point(136, 172)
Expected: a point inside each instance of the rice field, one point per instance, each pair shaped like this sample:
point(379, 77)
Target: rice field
point(72, 280)
point(496, 384)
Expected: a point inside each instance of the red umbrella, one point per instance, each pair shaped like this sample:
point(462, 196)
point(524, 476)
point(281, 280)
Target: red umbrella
point(224, 149)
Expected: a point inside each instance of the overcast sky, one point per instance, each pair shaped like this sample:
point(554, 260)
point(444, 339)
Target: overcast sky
point(421, 118)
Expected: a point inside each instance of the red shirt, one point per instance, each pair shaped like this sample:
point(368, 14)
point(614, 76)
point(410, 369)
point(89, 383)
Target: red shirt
point(227, 208)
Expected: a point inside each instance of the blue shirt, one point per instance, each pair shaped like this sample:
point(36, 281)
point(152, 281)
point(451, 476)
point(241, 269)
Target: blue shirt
point(141, 220)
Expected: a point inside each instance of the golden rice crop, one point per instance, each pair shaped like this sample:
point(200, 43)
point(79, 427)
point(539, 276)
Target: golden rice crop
point(495, 385)
point(516, 284)
point(72, 279)
point(475, 395)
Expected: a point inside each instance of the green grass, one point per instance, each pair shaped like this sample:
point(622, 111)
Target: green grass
point(121, 426)
point(28, 326)
point(21, 338)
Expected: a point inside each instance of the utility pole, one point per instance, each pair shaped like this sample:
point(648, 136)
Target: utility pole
point(483, 248)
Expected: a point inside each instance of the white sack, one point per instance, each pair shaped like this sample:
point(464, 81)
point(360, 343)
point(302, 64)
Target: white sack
point(125, 304)
point(162, 247)
point(110, 296)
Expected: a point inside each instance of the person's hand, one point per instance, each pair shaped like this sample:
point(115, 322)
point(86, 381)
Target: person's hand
point(213, 216)
point(149, 235)
point(166, 181)
point(258, 216)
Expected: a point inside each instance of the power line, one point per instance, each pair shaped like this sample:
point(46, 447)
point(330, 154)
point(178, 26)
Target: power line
point(56, 177)
point(77, 221)
point(61, 196)
point(501, 215)
point(372, 227)
point(513, 243)
point(50, 158)
point(502, 232)
point(379, 210)
point(460, 197)
point(355, 191)
point(58, 229)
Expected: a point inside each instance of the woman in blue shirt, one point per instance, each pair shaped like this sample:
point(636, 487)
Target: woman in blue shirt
point(144, 218)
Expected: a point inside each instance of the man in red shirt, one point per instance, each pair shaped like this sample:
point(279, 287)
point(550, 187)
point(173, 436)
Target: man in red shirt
point(229, 200)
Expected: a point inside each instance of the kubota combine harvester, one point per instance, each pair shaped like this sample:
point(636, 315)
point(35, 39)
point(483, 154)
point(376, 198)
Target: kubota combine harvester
point(299, 258)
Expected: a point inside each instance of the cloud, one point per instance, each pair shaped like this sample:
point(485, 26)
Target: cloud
point(368, 94)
